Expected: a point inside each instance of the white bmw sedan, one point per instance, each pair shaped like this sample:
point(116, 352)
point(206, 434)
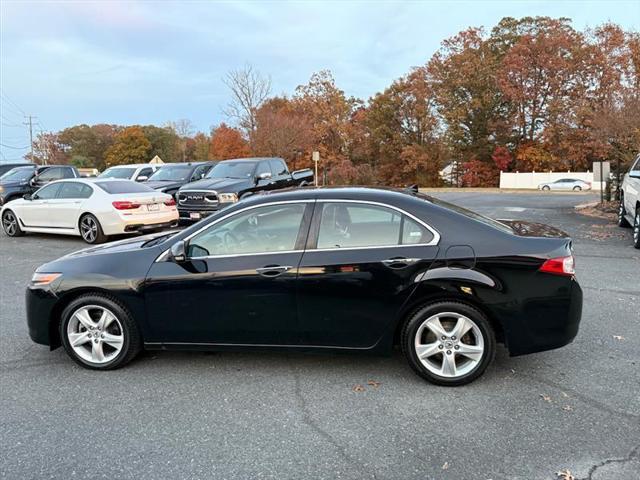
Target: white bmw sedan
point(93, 209)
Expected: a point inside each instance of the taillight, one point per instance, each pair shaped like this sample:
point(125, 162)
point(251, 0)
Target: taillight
point(559, 266)
point(170, 203)
point(125, 205)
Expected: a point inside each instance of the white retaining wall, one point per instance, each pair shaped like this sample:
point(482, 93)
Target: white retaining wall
point(533, 179)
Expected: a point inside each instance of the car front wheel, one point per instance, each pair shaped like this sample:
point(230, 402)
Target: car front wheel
point(622, 214)
point(546, 188)
point(448, 343)
point(636, 229)
point(98, 333)
point(10, 224)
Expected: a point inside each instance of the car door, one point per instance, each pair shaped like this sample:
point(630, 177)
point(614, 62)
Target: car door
point(143, 174)
point(358, 270)
point(280, 173)
point(65, 209)
point(35, 212)
point(237, 285)
point(49, 175)
point(264, 167)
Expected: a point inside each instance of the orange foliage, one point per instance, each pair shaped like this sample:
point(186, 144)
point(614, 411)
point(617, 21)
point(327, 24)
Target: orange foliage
point(227, 142)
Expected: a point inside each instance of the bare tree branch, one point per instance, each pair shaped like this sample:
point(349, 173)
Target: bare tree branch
point(249, 90)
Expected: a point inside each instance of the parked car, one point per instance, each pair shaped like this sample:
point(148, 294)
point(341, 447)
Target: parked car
point(6, 167)
point(231, 180)
point(629, 211)
point(92, 209)
point(344, 269)
point(172, 176)
point(21, 181)
point(138, 172)
point(573, 184)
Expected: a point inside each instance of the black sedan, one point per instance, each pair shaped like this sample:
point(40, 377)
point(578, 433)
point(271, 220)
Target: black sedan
point(353, 269)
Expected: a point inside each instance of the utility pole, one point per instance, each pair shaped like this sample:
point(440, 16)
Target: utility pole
point(30, 123)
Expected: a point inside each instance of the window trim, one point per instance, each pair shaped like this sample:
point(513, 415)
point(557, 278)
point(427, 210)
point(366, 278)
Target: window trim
point(316, 228)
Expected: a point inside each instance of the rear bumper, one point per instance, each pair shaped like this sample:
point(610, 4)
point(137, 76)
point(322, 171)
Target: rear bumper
point(119, 223)
point(141, 227)
point(545, 323)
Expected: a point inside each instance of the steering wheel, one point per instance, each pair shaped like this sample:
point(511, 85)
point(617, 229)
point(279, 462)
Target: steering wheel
point(230, 240)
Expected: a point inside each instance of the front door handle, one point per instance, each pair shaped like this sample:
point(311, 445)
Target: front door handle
point(400, 262)
point(272, 271)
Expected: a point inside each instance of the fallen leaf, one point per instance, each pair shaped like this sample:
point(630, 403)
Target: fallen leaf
point(565, 475)
point(567, 408)
point(374, 384)
point(445, 466)
point(564, 395)
point(358, 388)
point(546, 398)
point(618, 337)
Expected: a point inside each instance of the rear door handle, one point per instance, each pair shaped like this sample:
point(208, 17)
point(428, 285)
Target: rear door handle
point(400, 262)
point(271, 271)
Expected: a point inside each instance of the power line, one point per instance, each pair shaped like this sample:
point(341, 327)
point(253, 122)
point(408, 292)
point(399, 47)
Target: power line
point(11, 102)
point(15, 148)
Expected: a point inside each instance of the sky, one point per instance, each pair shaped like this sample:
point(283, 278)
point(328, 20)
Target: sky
point(150, 62)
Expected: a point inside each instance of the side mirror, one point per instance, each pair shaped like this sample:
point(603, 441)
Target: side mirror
point(179, 252)
point(142, 178)
point(32, 182)
point(27, 196)
point(264, 176)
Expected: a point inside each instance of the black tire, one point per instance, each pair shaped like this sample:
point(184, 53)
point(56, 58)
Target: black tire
point(11, 224)
point(96, 235)
point(577, 189)
point(416, 319)
point(622, 214)
point(546, 188)
point(636, 229)
point(131, 345)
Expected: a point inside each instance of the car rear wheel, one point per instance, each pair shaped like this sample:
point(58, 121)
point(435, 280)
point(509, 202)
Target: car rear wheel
point(636, 229)
point(577, 189)
point(448, 343)
point(546, 188)
point(10, 224)
point(622, 214)
point(98, 333)
point(91, 230)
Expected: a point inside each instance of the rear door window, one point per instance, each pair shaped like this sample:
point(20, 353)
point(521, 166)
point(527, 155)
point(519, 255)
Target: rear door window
point(124, 186)
point(74, 190)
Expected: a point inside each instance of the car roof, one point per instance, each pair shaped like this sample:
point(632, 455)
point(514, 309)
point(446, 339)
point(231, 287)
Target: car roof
point(251, 159)
point(192, 164)
point(377, 194)
point(129, 165)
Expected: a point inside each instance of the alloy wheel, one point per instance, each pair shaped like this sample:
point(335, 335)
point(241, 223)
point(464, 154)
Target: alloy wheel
point(95, 334)
point(10, 223)
point(636, 227)
point(449, 344)
point(89, 229)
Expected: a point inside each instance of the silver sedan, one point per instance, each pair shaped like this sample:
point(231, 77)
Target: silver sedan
point(566, 184)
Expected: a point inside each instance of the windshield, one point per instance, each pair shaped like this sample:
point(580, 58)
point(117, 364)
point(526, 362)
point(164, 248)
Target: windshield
point(20, 174)
point(121, 186)
point(172, 173)
point(117, 172)
point(467, 213)
point(232, 170)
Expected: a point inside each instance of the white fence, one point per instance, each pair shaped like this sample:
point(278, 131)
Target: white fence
point(531, 180)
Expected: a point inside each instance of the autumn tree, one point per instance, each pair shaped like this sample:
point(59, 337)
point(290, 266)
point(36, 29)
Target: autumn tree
point(87, 145)
point(226, 143)
point(183, 129)
point(130, 146)
point(165, 143)
point(47, 149)
point(198, 147)
point(249, 90)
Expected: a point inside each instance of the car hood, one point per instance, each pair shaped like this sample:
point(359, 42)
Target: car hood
point(157, 185)
point(13, 184)
point(530, 229)
point(218, 184)
point(121, 246)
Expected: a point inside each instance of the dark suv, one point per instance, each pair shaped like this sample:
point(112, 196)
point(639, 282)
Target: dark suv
point(5, 167)
point(23, 180)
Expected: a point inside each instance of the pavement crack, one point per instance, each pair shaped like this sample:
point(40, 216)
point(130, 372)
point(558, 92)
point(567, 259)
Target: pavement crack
point(635, 453)
point(585, 399)
point(310, 422)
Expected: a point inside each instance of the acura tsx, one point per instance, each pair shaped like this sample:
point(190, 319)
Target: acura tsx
point(319, 269)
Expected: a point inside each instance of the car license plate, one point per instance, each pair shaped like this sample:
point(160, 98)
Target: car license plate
point(152, 207)
point(194, 215)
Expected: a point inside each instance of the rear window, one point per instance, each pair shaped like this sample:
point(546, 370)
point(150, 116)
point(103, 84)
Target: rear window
point(467, 213)
point(116, 187)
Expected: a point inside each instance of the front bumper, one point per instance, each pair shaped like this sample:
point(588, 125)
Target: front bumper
point(40, 303)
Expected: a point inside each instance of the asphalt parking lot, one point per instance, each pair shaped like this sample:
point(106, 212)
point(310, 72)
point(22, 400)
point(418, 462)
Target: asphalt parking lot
point(293, 416)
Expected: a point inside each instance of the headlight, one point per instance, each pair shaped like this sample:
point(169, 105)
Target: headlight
point(1, 189)
point(227, 197)
point(44, 278)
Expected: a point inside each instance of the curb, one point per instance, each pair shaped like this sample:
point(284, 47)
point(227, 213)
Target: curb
point(582, 206)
